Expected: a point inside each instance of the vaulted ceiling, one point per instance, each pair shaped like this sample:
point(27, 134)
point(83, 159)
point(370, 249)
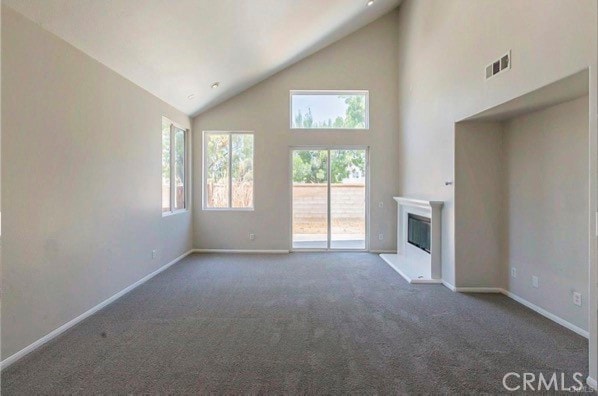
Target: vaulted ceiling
point(176, 49)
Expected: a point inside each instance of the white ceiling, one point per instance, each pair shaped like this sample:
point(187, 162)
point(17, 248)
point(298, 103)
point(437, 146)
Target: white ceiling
point(175, 48)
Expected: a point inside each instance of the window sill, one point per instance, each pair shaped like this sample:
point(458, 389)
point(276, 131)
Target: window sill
point(228, 209)
point(176, 212)
point(330, 129)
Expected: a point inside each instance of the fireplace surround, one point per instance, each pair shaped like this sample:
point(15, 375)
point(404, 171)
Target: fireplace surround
point(418, 240)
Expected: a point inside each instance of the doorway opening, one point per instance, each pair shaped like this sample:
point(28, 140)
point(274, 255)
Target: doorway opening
point(329, 194)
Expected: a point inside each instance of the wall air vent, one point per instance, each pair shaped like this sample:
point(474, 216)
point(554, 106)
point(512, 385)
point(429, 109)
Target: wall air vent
point(498, 66)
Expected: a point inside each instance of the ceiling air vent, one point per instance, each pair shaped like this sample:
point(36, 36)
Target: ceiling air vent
point(498, 66)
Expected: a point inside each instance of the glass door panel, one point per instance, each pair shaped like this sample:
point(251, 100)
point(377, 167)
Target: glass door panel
point(310, 199)
point(347, 199)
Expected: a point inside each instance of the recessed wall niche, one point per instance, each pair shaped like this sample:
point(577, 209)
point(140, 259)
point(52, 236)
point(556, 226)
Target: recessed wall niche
point(522, 206)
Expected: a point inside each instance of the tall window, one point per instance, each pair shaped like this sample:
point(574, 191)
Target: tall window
point(228, 170)
point(329, 110)
point(174, 165)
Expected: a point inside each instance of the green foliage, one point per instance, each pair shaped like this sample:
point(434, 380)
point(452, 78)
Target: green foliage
point(339, 122)
point(355, 113)
point(242, 166)
point(179, 153)
point(354, 116)
point(346, 164)
point(311, 166)
point(298, 119)
point(179, 156)
point(165, 151)
point(308, 121)
point(218, 157)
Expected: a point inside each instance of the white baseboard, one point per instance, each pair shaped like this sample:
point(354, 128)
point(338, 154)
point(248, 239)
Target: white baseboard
point(53, 334)
point(450, 286)
point(478, 289)
point(454, 288)
point(592, 383)
point(522, 301)
point(383, 251)
point(240, 251)
point(547, 314)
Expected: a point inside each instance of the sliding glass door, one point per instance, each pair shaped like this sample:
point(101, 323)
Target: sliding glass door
point(310, 199)
point(329, 199)
point(347, 199)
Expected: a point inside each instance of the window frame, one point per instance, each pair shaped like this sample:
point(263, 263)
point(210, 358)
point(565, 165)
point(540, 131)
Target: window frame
point(187, 177)
point(204, 183)
point(330, 92)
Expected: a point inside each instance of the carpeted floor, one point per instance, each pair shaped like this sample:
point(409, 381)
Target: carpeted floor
point(298, 323)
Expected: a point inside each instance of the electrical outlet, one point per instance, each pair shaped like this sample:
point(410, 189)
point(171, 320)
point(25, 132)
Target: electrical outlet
point(577, 299)
point(154, 253)
point(513, 272)
point(380, 204)
point(535, 281)
point(252, 237)
point(380, 237)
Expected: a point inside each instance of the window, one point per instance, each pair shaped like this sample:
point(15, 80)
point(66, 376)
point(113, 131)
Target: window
point(228, 170)
point(330, 110)
point(174, 165)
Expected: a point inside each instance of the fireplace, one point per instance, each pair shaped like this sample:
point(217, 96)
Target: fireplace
point(418, 240)
point(418, 231)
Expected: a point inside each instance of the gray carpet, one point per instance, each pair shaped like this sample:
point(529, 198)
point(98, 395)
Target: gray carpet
point(298, 323)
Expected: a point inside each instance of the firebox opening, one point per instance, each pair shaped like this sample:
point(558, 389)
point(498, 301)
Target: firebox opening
point(418, 232)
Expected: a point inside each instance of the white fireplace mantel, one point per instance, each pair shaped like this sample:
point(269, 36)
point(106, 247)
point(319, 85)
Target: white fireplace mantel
point(418, 202)
point(412, 263)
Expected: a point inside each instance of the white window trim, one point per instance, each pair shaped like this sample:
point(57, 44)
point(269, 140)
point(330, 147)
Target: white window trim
point(330, 92)
point(204, 193)
point(173, 211)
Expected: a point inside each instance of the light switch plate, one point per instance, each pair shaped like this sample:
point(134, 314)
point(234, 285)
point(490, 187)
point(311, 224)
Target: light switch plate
point(577, 299)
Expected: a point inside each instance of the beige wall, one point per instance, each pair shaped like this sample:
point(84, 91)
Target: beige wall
point(367, 59)
point(81, 153)
point(479, 208)
point(444, 47)
point(0, 124)
point(546, 190)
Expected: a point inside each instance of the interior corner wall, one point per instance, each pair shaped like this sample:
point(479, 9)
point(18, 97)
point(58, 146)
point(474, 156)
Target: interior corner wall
point(444, 47)
point(81, 152)
point(0, 160)
point(479, 205)
point(547, 206)
point(593, 149)
point(366, 59)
